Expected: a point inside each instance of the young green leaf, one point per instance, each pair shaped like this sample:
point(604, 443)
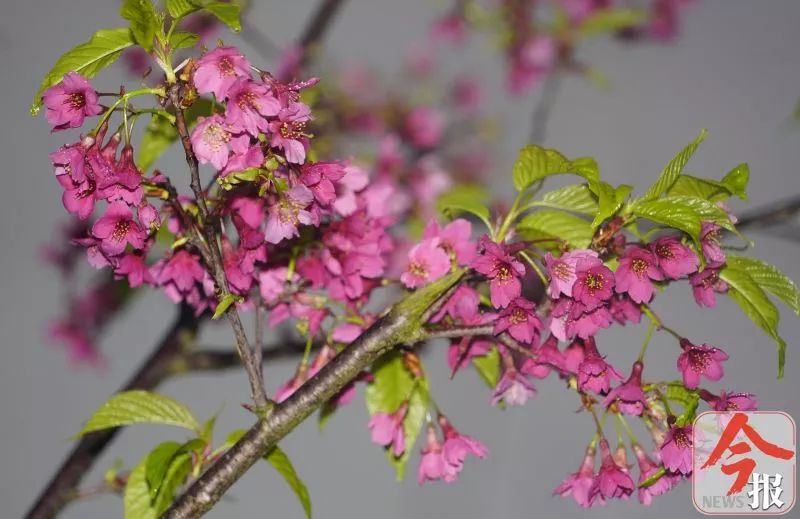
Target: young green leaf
point(227, 13)
point(136, 498)
point(393, 385)
point(770, 279)
point(753, 301)
point(280, 462)
point(674, 168)
point(464, 199)
point(687, 185)
point(577, 198)
point(87, 59)
point(223, 305)
point(152, 483)
point(488, 367)
point(183, 39)
point(610, 20)
point(737, 179)
point(610, 200)
point(557, 225)
point(670, 214)
point(177, 9)
point(535, 163)
point(138, 406)
point(144, 21)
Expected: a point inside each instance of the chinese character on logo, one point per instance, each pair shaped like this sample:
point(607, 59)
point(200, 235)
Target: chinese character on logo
point(744, 463)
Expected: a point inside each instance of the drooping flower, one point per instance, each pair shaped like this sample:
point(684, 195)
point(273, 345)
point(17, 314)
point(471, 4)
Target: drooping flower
point(210, 141)
point(135, 269)
point(594, 283)
point(705, 286)
point(321, 179)
point(612, 480)
point(675, 259)
point(387, 429)
point(562, 271)
point(676, 451)
point(117, 228)
point(514, 388)
point(710, 236)
point(594, 373)
point(219, 69)
point(730, 401)
point(289, 212)
point(648, 468)
point(503, 271)
point(431, 463)
point(426, 262)
point(629, 396)
point(248, 104)
point(697, 361)
point(582, 485)
point(454, 238)
point(635, 275)
point(624, 310)
point(548, 357)
point(520, 319)
point(455, 449)
point(70, 101)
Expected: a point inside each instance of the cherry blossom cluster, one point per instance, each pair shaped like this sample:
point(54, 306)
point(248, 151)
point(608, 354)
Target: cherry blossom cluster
point(540, 37)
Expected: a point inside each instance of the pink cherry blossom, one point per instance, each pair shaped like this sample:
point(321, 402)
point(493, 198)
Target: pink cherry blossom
point(288, 132)
point(676, 451)
point(635, 274)
point(730, 401)
point(427, 262)
point(456, 448)
point(178, 274)
point(502, 270)
point(387, 429)
point(710, 236)
point(135, 269)
point(594, 283)
point(629, 396)
point(582, 485)
point(520, 320)
point(210, 140)
point(218, 70)
point(613, 481)
point(431, 463)
point(594, 373)
point(454, 238)
point(70, 101)
point(117, 228)
point(514, 388)
point(424, 126)
point(705, 286)
point(289, 212)
point(647, 468)
point(675, 259)
point(697, 361)
point(321, 179)
point(248, 104)
point(562, 270)
point(624, 310)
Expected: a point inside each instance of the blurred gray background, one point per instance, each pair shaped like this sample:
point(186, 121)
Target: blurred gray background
point(734, 70)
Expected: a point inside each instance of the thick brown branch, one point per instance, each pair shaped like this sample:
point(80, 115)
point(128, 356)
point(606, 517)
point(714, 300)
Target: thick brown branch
point(66, 479)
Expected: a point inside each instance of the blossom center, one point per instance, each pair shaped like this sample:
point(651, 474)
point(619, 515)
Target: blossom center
point(247, 100)
point(639, 266)
point(418, 269)
point(561, 271)
point(664, 251)
point(292, 129)
point(214, 136)
point(121, 229)
point(76, 100)
point(518, 316)
point(226, 68)
point(502, 272)
point(594, 282)
point(699, 360)
point(682, 439)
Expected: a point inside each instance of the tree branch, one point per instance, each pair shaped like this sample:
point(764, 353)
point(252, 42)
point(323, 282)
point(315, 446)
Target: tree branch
point(401, 325)
point(775, 214)
point(83, 455)
point(316, 29)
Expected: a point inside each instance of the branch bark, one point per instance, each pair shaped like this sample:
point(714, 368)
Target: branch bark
point(775, 214)
point(316, 29)
point(155, 369)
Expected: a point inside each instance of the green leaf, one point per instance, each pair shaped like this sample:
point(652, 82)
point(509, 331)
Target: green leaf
point(227, 13)
point(152, 483)
point(653, 479)
point(755, 304)
point(610, 200)
point(556, 224)
point(144, 21)
point(325, 414)
point(87, 59)
point(535, 163)
point(674, 168)
point(137, 406)
point(704, 209)
point(464, 199)
point(576, 197)
point(610, 20)
point(160, 134)
point(224, 304)
point(687, 185)
point(183, 39)
point(280, 461)
point(666, 212)
point(737, 179)
point(770, 279)
point(393, 385)
point(180, 8)
point(488, 367)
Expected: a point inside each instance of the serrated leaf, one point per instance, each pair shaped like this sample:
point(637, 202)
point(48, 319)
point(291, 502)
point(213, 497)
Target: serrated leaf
point(87, 59)
point(535, 163)
point(464, 199)
point(183, 39)
point(704, 209)
point(576, 197)
point(488, 367)
point(156, 465)
point(737, 179)
point(281, 462)
point(667, 213)
point(755, 304)
point(144, 21)
point(572, 229)
point(180, 8)
point(687, 185)
point(136, 497)
point(610, 200)
point(151, 485)
point(610, 20)
point(227, 13)
point(138, 406)
point(391, 386)
point(770, 279)
point(674, 168)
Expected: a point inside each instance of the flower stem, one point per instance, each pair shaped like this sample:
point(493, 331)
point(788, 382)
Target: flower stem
point(647, 337)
